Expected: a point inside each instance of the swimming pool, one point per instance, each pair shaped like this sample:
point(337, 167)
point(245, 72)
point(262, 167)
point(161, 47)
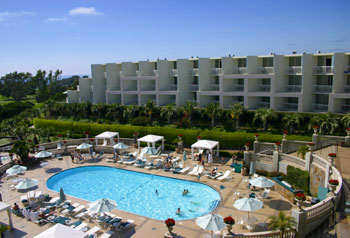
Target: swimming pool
point(135, 191)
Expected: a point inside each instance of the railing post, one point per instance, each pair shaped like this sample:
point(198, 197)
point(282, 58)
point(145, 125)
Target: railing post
point(275, 161)
point(284, 146)
point(315, 137)
point(300, 219)
point(246, 158)
point(347, 137)
point(256, 146)
point(308, 160)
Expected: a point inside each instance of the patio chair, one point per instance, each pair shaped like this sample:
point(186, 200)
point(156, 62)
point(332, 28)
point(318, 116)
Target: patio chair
point(123, 226)
point(82, 226)
point(194, 170)
point(225, 176)
point(113, 159)
point(93, 231)
point(158, 165)
point(199, 171)
point(77, 210)
point(140, 163)
point(184, 170)
point(100, 155)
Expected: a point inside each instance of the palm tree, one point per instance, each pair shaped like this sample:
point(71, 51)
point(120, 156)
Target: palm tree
point(302, 150)
point(264, 115)
point(97, 109)
point(212, 110)
point(326, 122)
point(292, 120)
point(131, 111)
point(189, 109)
point(346, 120)
point(168, 111)
point(236, 112)
point(150, 108)
point(282, 223)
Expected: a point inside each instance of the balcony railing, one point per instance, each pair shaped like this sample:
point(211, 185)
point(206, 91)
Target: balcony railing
point(323, 88)
point(173, 72)
point(135, 102)
point(238, 88)
point(320, 107)
point(264, 88)
point(151, 73)
point(213, 87)
point(130, 88)
point(193, 72)
point(347, 69)
point(291, 106)
point(263, 105)
point(149, 88)
point(266, 70)
point(215, 71)
point(155, 72)
point(239, 70)
point(194, 87)
point(293, 88)
point(346, 108)
point(323, 69)
point(293, 70)
point(347, 88)
point(173, 87)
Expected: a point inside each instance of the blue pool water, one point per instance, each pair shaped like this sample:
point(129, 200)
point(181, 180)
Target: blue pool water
point(135, 192)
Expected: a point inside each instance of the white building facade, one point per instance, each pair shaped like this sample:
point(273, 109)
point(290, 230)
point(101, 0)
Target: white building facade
point(296, 82)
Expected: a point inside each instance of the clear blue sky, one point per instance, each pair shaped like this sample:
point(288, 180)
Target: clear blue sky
point(73, 34)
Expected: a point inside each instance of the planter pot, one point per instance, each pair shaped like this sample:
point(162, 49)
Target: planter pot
point(332, 187)
point(299, 203)
point(170, 229)
point(229, 228)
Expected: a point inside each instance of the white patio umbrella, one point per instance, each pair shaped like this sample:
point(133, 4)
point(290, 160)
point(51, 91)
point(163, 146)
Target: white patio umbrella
point(16, 169)
point(211, 222)
point(120, 146)
point(149, 151)
point(102, 205)
point(84, 146)
point(248, 204)
point(60, 230)
point(43, 154)
point(27, 183)
point(261, 182)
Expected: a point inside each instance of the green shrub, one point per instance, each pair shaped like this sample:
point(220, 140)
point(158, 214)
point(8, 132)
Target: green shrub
point(169, 147)
point(225, 154)
point(298, 178)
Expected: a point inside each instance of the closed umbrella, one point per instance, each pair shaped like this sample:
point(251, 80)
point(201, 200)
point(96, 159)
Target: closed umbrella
point(27, 183)
point(248, 204)
point(62, 195)
point(84, 146)
point(211, 222)
point(16, 169)
point(120, 146)
point(149, 151)
point(261, 182)
point(43, 154)
point(102, 205)
point(252, 168)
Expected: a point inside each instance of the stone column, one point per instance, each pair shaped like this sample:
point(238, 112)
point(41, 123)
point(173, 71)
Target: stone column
point(284, 145)
point(308, 160)
point(347, 137)
point(300, 219)
point(256, 146)
point(315, 137)
point(246, 158)
point(275, 161)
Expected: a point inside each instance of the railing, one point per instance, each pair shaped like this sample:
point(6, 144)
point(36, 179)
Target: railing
point(215, 71)
point(293, 70)
point(193, 72)
point(320, 209)
point(323, 88)
point(266, 70)
point(293, 88)
point(263, 104)
point(347, 88)
point(173, 87)
point(267, 234)
point(173, 72)
point(214, 87)
point(264, 88)
point(151, 73)
point(347, 69)
point(266, 146)
point(320, 107)
point(291, 106)
point(149, 88)
point(194, 87)
point(293, 160)
point(239, 70)
point(346, 107)
point(323, 69)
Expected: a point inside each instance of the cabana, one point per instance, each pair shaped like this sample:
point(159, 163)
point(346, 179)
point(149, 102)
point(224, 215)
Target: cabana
point(151, 139)
point(60, 230)
point(107, 135)
point(6, 207)
point(205, 144)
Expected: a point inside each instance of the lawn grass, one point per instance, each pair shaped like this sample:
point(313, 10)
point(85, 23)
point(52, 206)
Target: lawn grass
point(29, 98)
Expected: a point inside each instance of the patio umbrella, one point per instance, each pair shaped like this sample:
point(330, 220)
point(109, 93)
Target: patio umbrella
point(211, 222)
point(248, 204)
point(62, 195)
point(261, 182)
point(84, 146)
point(43, 154)
point(60, 230)
point(120, 146)
point(102, 205)
point(16, 169)
point(27, 183)
point(149, 151)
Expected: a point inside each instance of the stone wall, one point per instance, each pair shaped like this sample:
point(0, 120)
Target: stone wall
point(317, 176)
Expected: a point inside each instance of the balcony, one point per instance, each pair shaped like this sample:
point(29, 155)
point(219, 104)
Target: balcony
point(173, 72)
point(215, 71)
point(149, 88)
point(133, 102)
point(291, 106)
point(345, 108)
point(155, 72)
point(266, 70)
point(264, 88)
point(173, 87)
point(293, 88)
point(347, 69)
point(194, 87)
point(263, 105)
point(323, 88)
point(130, 88)
point(323, 69)
point(347, 88)
point(320, 107)
point(238, 88)
point(193, 72)
point(293, 70)
point(213, 87)
point(239, 70)
point(152, 73)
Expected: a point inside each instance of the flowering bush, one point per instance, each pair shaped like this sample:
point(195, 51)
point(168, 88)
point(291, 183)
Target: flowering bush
point(348, 129)
point(285, 132)
point(180, 135)
point(136, 133)
point(86, 133)
point(60, 135)
point(229, 220)
point(333, 155)
point(316, 127)
point(92, 139)
point(300, 196)
point(311, 144)
point(333, 182)
point(256, 135)
point(65, 141)
point(247, 144)
point(198, 137)
point(170, 222)
point(278, 143)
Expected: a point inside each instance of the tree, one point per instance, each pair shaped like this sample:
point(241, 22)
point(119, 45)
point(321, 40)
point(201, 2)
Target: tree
point(97, 109)
point(326, 122)
point(21, 149)
point(150, 108)
point(292, 120)
point(264, 115)
point(168, 111)
point(15, 85)
point(282, 223)
point(189, 109)
point(346, 120)
point(46, 85)
point(236, 112)
point(212, 110)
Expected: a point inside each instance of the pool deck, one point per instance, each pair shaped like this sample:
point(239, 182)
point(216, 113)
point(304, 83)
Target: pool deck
point(146, 227)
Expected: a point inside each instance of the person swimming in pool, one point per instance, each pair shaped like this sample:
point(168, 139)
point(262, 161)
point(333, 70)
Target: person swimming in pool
point(157, 192)
point(178, 212)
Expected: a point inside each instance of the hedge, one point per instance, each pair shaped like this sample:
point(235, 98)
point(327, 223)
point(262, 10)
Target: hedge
point(231, 140)
point(297, 178)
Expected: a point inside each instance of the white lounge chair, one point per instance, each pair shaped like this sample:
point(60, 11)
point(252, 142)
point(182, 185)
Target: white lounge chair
point(81, 226)
point(31, 195)
point(225, 176)
point(93, 230)
point(78, 209)
point(108, 234)
point(175, 160)
point(184, 170)
point(129, 161)
point(217, 175)
point(194, 170)
point(199, 171)
point(158, 165)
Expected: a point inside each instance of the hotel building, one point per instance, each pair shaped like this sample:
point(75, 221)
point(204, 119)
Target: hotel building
point(297, 82)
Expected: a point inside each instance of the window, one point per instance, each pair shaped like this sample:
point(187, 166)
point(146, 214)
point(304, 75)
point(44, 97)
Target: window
point(292, 100)
point(175, 80)
point(195, 79)
point(218, 63)
point(175, 65)
point(324, 80)
point(321, 99)
point(268, 62)
point(217, 98)
point(265, 99)
point(294, 80)
point(195, 64)
point(155, 66)
point(266, 81)
point(242, 62)
point(240, 99)
point(295, 61)
point(240, 81)
point(217, 80)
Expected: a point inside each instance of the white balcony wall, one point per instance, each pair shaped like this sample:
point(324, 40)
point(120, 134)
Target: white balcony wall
point(98, 83)
point(252, 64)
point(85, 89)
point(164, 77)
point(130, 99)
point(129, 69)
point(279, 80)
point(113, 77)
point(183, 81)
point(129, 85)
point(146, 68)
point(73, 96)
point(148, 97)
point(338, 74)
point(228, 65)
point(230, 100)
point(307, 62)
point(147, 85)
point(204, 66)
point(231, 85)
point(114, 98)
point(167, 99)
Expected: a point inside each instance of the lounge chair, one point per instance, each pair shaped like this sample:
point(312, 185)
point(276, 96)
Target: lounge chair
point(129, 161)
point(77, 210)
point(264, 194)
point(113, 159)
point(31, 195)
point(125, 225)
point(194, 170)
point(59, 156)
point(199, 171)
point(158, 165)
point(81, 226)
point(93, 230)
point(70, 208)
point(75, 224)
point(100, 155)
point(225, 176)
point(140, 163)
point(108, 234)
point(217, 175)
point(184, 170)
point(175, 160)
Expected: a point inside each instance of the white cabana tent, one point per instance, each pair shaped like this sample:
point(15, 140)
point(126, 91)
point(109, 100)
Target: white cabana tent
point(107, 135)
point(7, 207)
point(150, 139)
point(205, 144)
point(60, 230)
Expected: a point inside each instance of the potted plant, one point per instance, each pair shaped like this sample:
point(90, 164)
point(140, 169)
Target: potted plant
point(247, 146)
point(229, 221)
point(277, 145)
point(170, 223)
point(300, 198)
point(198, 137)
point(256, 137)
point(285, 133)
point(333, 183)
point(316, 129)
point(332, 155)
point(86, 134)
point(347, 131)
